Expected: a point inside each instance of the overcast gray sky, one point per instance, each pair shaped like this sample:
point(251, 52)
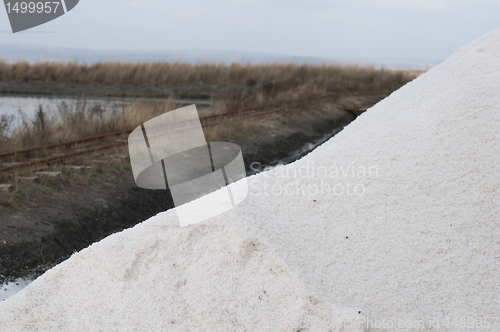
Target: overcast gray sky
point(374, 29)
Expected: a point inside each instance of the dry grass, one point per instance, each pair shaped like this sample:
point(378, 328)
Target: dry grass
point(274, 76)
point(244, 85)
point(80, 119)
point(232, 130)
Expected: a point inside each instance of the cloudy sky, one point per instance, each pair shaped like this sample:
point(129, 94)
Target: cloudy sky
point(374, 29)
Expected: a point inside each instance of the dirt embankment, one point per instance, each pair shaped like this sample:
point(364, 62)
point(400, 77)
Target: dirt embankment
point(50, 221)
point(188, 91)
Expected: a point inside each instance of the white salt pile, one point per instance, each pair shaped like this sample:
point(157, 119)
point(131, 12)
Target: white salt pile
point(392, 225)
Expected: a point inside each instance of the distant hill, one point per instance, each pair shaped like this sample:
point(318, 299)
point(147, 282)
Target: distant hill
point(12, 52)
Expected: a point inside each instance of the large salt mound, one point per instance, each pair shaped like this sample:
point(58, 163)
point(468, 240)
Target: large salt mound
point(156, 278)
point(412, 241)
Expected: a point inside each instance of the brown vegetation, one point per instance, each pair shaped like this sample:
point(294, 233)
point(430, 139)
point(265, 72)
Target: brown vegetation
point(79, 119)
point(272, 77)
point(244, 85)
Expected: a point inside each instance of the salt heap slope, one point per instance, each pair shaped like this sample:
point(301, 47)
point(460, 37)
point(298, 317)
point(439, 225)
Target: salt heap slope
point(395, 219)
point(160, 278)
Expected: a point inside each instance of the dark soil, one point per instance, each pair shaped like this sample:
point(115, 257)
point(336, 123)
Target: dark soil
point(58, 217)
point(189, 91)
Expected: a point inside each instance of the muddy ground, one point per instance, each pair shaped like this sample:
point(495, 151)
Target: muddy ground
point(42, 224)
point(189, 91)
